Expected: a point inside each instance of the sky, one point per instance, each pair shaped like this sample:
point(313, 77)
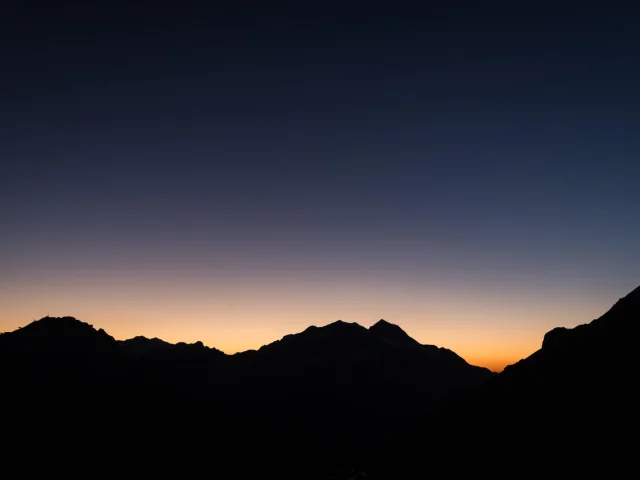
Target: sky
point(235, 173)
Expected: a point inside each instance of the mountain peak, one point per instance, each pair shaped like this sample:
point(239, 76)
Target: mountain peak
point(383, 323)
point(392, 333)
point(338, 323)
point(62, 334)
point(339, 327)
point(144, 345)
point(59, 326)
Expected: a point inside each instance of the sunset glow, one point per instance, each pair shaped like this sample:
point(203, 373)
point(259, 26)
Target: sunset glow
point(492, 326)
point(239, 179)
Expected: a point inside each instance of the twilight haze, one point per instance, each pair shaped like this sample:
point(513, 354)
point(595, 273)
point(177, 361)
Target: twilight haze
point(233, 176)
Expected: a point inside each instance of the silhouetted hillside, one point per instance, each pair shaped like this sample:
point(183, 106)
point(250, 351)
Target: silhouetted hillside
point(393, 334)
point(62, 335)
point(571, 404)
point(340, 395)
point(342, 382)
point(55, 365)
point(328, 393)
point(145, 346)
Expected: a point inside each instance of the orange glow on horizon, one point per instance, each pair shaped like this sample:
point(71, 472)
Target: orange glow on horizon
point(232, 341)
point(492, 326)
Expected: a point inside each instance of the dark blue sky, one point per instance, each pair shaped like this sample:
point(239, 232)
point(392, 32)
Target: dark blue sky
point(467, 145)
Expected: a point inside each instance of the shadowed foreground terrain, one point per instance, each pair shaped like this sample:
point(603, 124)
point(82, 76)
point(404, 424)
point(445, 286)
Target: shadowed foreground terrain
point(570, 407)
point(320, 398)
point(328, 402)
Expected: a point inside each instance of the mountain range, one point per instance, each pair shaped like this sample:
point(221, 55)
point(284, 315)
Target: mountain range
point(335, 396)
point(315, 391)
point(569, 408)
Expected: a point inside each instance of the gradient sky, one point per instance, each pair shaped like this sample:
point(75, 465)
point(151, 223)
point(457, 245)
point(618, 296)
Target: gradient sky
point(237, 174)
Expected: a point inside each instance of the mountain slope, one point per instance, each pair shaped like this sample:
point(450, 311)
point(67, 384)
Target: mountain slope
point(334, 384)
point(393, 334)
point(577, 393)
point(56, 364)
point(335, 392)
point(145, 346)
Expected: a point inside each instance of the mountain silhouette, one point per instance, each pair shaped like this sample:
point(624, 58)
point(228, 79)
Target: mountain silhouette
point(331, 394)
point(145, 346)
point(577, 393)
point(393, 333)
point(338, 398)
point(62, 335)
